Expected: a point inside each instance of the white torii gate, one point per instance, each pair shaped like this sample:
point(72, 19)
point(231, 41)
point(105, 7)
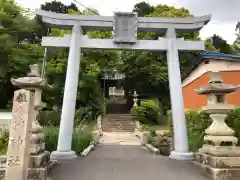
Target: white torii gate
point(125, 27)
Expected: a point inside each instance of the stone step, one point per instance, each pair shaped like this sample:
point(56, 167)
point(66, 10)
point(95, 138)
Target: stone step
point(117, 130)
point(119, 115)
point(118, 124)
point(120, 139)
point(118, 127)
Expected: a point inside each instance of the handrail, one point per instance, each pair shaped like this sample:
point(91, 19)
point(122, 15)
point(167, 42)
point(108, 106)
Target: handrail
point(85, 118)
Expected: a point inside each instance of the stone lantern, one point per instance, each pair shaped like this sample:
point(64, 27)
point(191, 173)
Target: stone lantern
point(219, 155)
point(135, 99)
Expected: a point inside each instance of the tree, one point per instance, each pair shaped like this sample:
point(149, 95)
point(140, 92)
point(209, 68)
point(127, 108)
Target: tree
point(143, 9)
point(236, 44)
point(220, 44)
point(16, 34)
point(147, 72)
point(55, 6)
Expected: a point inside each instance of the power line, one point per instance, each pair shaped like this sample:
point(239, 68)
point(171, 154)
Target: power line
point(88, 8)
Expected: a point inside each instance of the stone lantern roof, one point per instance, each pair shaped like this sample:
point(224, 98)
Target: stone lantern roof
point(216, 86)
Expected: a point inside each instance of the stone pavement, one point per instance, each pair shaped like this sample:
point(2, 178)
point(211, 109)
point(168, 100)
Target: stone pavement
point(116, 162)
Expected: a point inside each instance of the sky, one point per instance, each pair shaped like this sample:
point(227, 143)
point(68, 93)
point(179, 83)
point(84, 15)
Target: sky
point(225, 13)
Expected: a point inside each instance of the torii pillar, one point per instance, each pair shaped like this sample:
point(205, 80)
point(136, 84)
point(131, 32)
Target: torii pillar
point(69, 100)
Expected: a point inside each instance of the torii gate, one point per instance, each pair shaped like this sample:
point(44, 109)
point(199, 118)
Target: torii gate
point(125, 27)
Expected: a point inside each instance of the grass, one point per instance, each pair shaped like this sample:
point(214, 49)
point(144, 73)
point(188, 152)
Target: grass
point(81, 138)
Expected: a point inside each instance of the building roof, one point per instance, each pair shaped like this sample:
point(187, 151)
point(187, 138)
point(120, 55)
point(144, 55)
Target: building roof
point(209, 55)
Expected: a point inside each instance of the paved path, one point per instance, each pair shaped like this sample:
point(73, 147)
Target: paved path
point(119, 139)
point(117, 162)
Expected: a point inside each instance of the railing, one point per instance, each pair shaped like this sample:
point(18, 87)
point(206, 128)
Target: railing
point(85, 118)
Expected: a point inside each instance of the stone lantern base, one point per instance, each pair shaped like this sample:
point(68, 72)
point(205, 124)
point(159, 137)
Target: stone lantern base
point(219, 162)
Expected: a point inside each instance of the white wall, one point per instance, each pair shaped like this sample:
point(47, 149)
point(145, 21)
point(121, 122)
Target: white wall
point(213, 65)
point(5, 118)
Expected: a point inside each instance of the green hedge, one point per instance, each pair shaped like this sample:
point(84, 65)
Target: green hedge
point(199, 121)
point(81, 140)
point(149, 112)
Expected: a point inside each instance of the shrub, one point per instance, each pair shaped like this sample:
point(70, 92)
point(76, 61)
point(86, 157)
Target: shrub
point(149, 112)
point(4, 136)
point(80, 141)
point(80, 114)
point(49, 118)
point(233, 120)
point(153, 132)
point(51, 138)
point(197, 122)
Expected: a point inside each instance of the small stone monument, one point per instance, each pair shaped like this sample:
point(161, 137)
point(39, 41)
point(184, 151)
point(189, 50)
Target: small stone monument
point(39, 160)
point(219, 156)
point(19, 136)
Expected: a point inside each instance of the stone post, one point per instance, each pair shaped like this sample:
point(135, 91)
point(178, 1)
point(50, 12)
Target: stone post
point(19, 137)
point(178, 114)
point(69, 100)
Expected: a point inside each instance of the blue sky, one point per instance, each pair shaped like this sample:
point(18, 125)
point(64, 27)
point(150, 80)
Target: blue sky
point(224, 14)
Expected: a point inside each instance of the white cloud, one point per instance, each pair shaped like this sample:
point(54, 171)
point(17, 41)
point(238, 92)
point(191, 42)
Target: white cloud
point(225, 13)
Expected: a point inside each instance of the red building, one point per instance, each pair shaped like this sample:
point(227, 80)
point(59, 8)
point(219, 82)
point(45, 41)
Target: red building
point(198, 75)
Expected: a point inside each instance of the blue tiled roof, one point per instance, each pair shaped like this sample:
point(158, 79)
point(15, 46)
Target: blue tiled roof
point(208, 54)
point(213, 55)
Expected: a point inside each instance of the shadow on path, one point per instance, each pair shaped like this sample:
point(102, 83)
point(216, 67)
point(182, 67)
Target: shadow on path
point(115, 162)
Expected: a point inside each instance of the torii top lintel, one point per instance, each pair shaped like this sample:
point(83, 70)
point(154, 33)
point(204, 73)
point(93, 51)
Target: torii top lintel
point(144, 24)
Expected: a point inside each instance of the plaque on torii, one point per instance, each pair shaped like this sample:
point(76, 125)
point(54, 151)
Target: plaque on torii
point(125, 27)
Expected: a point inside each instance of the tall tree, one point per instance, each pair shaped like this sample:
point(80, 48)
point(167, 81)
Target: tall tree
point(221, 44)
point(147, 72)
point(55, 6)
point(143, 9)
point(16, 51)
point(237, 41)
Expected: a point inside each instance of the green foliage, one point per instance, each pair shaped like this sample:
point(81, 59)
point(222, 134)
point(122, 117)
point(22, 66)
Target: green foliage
point(221, 44)
point(80, 141)
point(16, 34)
point(4, 136)
point(150, 68)
point(149, 112)
point(49, 118)
point(199, 121)
point(233, 120)
point(143, 9)
point(51, 138)
point(153, 132)
point(58, 7)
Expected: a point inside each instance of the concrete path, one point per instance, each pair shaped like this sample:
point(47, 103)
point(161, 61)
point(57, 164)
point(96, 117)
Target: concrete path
point(119, 139)
point(115, 162)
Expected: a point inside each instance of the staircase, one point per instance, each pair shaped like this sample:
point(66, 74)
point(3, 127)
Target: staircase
point(118, 123)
